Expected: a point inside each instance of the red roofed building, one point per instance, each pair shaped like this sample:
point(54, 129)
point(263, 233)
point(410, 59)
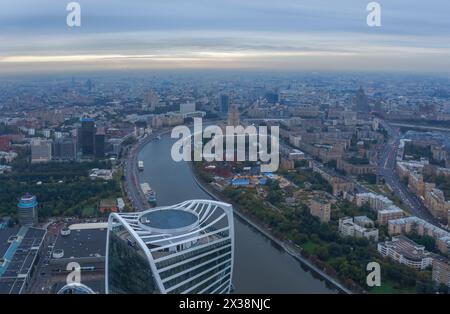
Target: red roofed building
point(5, 143)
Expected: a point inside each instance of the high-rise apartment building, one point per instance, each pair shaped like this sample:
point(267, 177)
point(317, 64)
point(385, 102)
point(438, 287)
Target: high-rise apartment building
point(224, 103)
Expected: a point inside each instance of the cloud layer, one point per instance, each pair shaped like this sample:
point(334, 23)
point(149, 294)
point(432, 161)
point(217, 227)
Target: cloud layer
point(256, 34)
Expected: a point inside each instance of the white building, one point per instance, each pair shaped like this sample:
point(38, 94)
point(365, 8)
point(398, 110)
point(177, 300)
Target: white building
point(120, 204)
point(347, 227)
point(376, 201)
point(104, 174)
point(8, 156)
point(184, 248)
point(47, 133)
point(407, 252)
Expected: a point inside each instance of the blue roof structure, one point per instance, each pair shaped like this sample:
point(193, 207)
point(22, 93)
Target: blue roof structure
point(27, 201)
point(20, 255)
point(9, 254)
point(240, 182)
point(169, 219)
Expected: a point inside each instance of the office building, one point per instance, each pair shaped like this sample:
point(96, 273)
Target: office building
point(64, 149)
point(407, 252)
point(184, 248)
point(27, 210)
point(224, 103)
point(84, 244)
point(41, 150)
point(99, 144)
point(86, 137)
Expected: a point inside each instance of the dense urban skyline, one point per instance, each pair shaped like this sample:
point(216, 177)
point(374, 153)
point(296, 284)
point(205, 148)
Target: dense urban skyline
point(224, 147)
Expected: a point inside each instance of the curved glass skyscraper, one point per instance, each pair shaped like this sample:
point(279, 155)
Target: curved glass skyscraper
point(184, 248)
point(75, 288)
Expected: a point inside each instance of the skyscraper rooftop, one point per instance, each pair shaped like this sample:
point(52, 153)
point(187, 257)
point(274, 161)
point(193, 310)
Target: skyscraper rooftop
point(184, 248)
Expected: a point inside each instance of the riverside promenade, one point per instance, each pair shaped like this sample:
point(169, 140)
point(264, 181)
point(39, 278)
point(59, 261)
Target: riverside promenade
point(290, 249)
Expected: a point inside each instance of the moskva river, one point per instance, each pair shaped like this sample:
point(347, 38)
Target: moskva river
point(260, 265)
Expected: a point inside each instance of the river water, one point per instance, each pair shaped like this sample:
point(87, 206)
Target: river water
point(260, 265)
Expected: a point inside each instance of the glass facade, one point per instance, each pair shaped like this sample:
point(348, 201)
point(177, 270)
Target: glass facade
point(197, 258)
point(128, 268)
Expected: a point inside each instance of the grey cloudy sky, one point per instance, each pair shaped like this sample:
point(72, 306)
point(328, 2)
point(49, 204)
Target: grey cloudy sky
point(255, 34)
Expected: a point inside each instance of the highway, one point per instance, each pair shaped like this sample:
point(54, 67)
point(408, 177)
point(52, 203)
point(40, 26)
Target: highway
point(132, 186)
point(386, 168)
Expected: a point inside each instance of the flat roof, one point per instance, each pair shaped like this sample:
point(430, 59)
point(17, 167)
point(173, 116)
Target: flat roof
point(168, 219)
point(11, 286)
point(407, 248)
point(5, 234)
point(21, 256)
point(82, 243)
point(92, 225)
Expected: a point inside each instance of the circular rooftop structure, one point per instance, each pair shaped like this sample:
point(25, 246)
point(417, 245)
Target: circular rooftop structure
point(27, 201)
point(168, 220)
point(75, 288)
point(58, 253)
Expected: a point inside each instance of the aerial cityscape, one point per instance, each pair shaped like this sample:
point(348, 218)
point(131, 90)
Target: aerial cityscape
point(201, 152)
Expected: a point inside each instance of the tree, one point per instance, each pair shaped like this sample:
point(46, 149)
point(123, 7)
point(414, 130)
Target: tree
point(443, 289)
point(428, 242)
point(335, 250)
point(274, 197)
point(321, 252)
point(424, 283)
